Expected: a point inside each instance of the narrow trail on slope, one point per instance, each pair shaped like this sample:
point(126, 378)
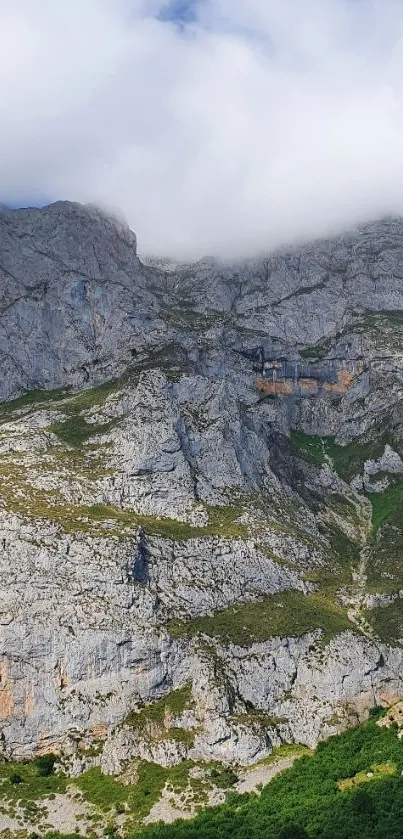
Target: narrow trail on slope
point(359, 574)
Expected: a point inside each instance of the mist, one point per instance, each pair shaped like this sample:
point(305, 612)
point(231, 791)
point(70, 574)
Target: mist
point(230, 127)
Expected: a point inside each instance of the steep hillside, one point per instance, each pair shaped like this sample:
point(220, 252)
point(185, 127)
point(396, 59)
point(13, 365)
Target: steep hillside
point(201, 527)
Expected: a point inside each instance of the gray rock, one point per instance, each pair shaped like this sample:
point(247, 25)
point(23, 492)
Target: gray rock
point(176, 493)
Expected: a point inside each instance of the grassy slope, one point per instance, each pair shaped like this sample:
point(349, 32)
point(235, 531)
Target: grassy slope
point(387, 621)
point(288, 613)
point(22, 786)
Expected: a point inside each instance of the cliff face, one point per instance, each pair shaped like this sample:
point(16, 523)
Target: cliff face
point(201, 492)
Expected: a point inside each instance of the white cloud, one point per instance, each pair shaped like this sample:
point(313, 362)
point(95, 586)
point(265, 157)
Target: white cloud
point(263, 122)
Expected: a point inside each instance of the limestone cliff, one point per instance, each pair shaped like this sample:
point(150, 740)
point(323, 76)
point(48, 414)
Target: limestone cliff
point(201, 492)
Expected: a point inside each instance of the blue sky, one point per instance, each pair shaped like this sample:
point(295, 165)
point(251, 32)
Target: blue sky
point(182, 11)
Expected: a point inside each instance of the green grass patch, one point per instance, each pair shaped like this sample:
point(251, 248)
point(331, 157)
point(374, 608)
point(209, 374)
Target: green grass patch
point(103, 791)
point(161, 711)
point(24, 785)
point(347, 460)
point(286, 750)
point(309, 447)
point(317, 352)
point(222, 521)
point(385, 565)
point(386, 318)
point(31, 398)
point(287, 614)
point(63, 398)
point(110, 796)
point(76, 430)
point(375, 772)
point(387, 621)
point(384, 505)
point(34, 784)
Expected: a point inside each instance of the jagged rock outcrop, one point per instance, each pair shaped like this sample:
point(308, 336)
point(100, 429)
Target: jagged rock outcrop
point(197, 498)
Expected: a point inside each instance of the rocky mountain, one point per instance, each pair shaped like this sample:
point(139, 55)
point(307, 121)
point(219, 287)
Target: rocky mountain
point(201, 527)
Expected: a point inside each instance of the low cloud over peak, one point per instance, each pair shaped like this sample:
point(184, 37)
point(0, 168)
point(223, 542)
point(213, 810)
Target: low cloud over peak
point(217, 126)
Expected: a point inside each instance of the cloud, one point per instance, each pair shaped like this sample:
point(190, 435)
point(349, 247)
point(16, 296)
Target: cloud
point(217, 126)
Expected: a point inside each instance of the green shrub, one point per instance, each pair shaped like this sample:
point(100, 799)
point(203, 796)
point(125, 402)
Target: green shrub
point(45, 764)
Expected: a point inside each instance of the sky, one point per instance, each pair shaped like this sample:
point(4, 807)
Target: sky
point(215, 127)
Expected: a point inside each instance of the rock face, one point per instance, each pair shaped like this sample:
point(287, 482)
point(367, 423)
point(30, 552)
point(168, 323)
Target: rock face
point(201, 492)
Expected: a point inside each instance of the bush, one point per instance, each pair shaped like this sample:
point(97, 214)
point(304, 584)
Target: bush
point(15, 778)
point(293, 831)
point(45, 764)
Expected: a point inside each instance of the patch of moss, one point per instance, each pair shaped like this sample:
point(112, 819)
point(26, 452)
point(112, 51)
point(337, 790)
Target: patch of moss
point(287, 614)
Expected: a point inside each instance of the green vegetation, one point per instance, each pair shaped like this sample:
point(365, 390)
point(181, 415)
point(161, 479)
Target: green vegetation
point(384, 505)
point(20, 496)
point(76, 430)
point(347, 460)
point(385, 564)
point(309, 447)
point(25, 786)
point(33, 783)
point(286, 750)
point(392, 318)
point(286, 614)
point(32, 397)
point(377, 771)
point(168, 358)
point(222, 521)
point(319, 351)
point(45, 764)
point(159, 714)
point(387, 621)
point(62, 399)
point(351, 787)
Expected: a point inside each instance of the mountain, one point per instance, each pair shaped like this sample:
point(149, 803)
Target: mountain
point(201, 524)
